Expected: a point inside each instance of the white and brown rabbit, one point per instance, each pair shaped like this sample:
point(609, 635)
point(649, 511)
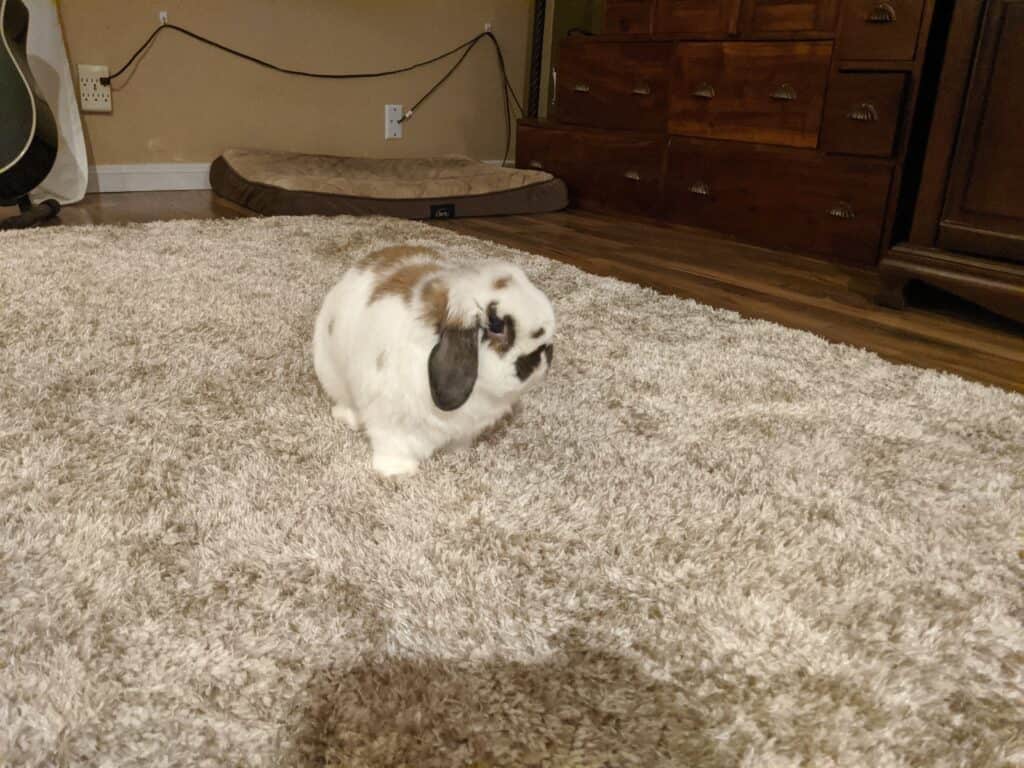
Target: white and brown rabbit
point(424, 354)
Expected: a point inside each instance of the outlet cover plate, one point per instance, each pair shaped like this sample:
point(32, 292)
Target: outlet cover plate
point(392, 126)
point(93, 95)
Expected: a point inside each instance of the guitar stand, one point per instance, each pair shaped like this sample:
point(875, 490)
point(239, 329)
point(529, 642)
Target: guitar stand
point(31, 215)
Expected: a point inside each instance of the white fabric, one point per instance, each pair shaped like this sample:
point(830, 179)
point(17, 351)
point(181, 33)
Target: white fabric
point(48, 60)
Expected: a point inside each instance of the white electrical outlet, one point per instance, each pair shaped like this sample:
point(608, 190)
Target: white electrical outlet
point(392, 124)
point(94, 96)
point(163, 17)
point(487, 27)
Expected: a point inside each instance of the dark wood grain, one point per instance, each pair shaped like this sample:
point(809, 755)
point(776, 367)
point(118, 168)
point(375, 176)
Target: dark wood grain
point(804, 201)
point(775, 18)
point(737, 91)
point(133, 207)
point(862, 113)
point(864, 35)
point(972, 167)
point(992, 284)
point(696, 19)
point(614, 85)
point(945, 121)
point(718, 96)
point(628, 178)
point(984, 210)
point(919, 97)
point(629, 17)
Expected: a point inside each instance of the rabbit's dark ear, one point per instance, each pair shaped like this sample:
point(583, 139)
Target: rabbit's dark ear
point(452, 366)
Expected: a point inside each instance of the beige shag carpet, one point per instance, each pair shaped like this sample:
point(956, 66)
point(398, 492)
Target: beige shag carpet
point(706, 541)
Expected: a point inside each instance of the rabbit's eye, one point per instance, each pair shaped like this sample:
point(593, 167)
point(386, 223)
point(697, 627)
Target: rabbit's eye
point(500, 331)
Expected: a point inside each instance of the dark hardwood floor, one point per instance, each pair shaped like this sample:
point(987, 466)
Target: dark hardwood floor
point(835, 302)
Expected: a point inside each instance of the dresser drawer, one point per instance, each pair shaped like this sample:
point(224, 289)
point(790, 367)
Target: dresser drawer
point(628, 17)
point(778, 18)
point(834, 206)
point(602, 169)
point(885, 31)
point(697, 18)
point(862, 113)
point(623, 86)
point(626, 174)
point(552, 150)
point(770, 93)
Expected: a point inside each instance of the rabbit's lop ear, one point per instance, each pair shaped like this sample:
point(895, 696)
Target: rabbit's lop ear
point(452, 366)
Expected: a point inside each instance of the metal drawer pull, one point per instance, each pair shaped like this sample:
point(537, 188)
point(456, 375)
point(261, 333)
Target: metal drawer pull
point(581, 88)
point(883, 13)
point(864, 113)
point(632, 175)
point(535, 164)
point(700, 188)
point(705, 91)
point(642, 90)
point(784, 92)
point(842, 211)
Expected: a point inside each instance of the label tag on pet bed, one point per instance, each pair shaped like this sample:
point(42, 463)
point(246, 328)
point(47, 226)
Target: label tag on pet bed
point(446, 211)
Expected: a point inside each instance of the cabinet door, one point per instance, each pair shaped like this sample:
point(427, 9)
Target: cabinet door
point(984, 210)
point(697, 19)
point(775, 18)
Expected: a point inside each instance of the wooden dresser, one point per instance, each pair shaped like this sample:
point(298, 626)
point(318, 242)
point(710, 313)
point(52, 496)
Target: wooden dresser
point(784, 123)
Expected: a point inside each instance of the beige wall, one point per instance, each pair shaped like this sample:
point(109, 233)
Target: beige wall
point(186, 102)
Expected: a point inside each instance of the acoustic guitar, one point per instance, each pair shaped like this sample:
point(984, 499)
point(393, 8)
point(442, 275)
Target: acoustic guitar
point(28, 131)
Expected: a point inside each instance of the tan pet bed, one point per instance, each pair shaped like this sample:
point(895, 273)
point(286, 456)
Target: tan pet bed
point(422, 188)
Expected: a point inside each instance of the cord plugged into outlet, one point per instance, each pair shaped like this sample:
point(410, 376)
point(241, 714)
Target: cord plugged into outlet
point(93, 93)
point(393, 119)
point(394, 116)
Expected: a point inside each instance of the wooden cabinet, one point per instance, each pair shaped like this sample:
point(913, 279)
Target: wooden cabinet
point(967, 235)
point(745, 117)
point(984, 208)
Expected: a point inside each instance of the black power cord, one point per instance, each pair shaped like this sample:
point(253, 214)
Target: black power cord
point(466, 47)
point(506, 87)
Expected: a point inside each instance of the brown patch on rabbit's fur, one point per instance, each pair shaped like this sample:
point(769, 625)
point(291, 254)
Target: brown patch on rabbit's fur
point(403, 280)
point(434, 300)
point(502, 282)
point(386, 258)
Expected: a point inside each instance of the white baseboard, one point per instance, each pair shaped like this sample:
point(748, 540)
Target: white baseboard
point(148, 177)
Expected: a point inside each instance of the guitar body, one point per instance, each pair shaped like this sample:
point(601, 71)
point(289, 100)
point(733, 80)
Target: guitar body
point(28, 131)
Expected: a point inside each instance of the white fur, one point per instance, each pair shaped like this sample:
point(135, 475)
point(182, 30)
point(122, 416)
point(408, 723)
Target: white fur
point(373, 364)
